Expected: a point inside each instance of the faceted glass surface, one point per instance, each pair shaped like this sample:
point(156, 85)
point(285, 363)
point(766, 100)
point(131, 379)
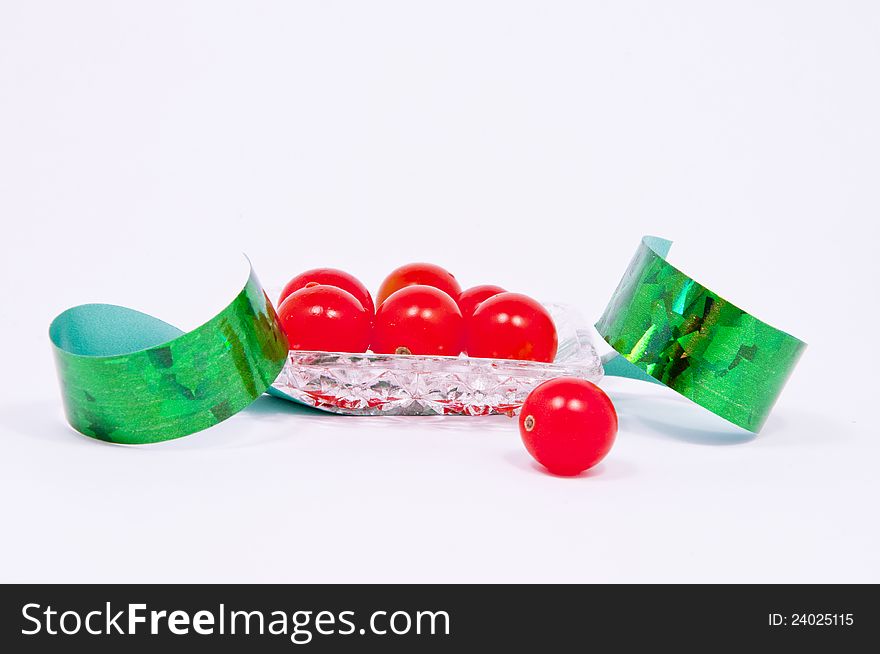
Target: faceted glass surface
point(390, 384)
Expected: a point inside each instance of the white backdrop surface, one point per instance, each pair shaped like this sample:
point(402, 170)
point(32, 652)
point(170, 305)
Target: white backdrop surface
point(144, 146)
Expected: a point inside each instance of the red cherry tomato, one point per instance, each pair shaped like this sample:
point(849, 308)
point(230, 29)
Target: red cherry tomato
point(471, 298)
point(418, 320)
point(426, 274)
point(511, 326)
point(325, 318)
point(568, 425)
point(330, 277)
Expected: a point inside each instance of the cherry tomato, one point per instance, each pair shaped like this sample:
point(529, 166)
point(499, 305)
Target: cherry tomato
point(471, 298)
point(330, 277)
point(511, 326)
point(325, 318)
point(426, 274)
point(568, 425)
point(418, 320)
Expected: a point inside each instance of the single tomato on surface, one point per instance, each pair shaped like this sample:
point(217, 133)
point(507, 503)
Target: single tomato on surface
point(330, 277)
point(568, 425)
point(423, 274)
point(511, 326)
point(470, 299)
point(325, 318)
point(418, 320)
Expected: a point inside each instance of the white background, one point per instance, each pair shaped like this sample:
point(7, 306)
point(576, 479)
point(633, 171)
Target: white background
point(144, 146)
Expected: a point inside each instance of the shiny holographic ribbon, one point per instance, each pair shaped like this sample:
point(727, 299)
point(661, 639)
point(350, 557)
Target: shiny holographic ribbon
point(127, 377)
point(668, 328)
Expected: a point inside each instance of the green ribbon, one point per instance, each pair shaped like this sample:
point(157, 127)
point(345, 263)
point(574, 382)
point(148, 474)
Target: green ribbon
point(669, 328)
point(127, 377)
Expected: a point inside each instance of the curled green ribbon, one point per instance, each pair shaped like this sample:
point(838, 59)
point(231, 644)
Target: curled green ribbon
point(127, 377)
point(671, 329)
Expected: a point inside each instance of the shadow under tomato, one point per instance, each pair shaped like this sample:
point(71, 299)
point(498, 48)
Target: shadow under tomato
point(610, 469)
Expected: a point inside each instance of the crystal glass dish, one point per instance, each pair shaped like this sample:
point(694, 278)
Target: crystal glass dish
point(401, 384)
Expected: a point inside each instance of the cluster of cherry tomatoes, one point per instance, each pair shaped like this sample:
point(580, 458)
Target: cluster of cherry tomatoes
point(420, 309)
point(566, 424)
